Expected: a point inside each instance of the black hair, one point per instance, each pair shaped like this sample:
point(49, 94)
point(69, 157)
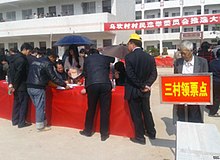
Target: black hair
point(136, 42)
point(76, 55)
point(93, 51)
point(26, 46)
point(218, 53)
point(205, 46)
point(218, 42)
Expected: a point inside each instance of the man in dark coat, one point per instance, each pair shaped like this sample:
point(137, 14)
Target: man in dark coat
point(141, 73)
point(40, 73)
point(98, 87)
point(18, 71)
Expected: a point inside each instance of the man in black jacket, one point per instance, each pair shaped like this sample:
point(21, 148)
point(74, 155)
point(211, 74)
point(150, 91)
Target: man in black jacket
point(98, 87)
point(18, 70)
point(40, 73)
point(141, 73)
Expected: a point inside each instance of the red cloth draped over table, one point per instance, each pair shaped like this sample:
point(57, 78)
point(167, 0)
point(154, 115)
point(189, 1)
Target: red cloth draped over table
point(164, 61)
point(68, 108)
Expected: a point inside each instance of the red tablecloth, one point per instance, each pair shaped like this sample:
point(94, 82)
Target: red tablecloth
point(164, 61)
point(68, 108)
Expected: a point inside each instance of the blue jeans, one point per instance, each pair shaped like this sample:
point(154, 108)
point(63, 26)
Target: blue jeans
point(38, 97)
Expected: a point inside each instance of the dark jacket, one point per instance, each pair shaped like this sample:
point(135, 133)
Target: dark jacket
point(140, 71)
point(96, 69)
point(18, 71)
point(41, 72)
point(215, 69)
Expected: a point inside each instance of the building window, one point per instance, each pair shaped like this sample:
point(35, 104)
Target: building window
point(198, 28)
point(13, 45)
point(40, 12)
point(215, 11)
point(27, 14)
point(11, 16)
point(166, 14)
point(2, 47)
point(188, 29)
point(188, 13)
point(150, 16)
point(176, 14)
point(107, 42)
point(175, 30)
point(43, 46)
point(216, 28)
point(94, 44)
point(169, 45)
point(1, 17)
point(166, 30)
point(206, 11)
point(67, 10)
point(198, 11)
point(138, 1)
point(138, 15)
point(88, 7)
point(138, 32)
point(149, 31)
point(106, 6)
point(150, 1)
point(52, 11)
point(206, 27)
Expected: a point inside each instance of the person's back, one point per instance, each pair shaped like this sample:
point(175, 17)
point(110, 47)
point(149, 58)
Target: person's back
point(97, 69)
point(143, 62)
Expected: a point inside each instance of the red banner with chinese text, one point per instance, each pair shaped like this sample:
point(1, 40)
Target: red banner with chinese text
point(163, 23)
point(186, 89)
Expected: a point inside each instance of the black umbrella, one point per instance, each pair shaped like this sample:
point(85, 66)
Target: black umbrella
point(73, 39)
point(119, 51)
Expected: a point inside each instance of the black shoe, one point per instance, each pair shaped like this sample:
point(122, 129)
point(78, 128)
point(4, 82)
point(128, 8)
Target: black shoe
point(151, 136)
point(14, 124)
point(24, 125)
point(87, 134)
point(103, 138)
point(140, 141)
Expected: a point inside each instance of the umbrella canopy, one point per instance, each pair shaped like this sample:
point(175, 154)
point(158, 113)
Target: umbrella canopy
point(119, 51)
point(73, 39)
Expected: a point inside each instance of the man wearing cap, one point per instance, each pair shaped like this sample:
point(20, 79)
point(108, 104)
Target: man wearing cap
point(40, 73)
point(141, 73)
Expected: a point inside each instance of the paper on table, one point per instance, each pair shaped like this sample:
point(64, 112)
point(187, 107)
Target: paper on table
point(70, 85)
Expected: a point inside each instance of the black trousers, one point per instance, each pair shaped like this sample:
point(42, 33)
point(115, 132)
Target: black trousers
point(216, 99)
point(142, 116)
point(20, 107)
point(194, 113)
point(103, 94)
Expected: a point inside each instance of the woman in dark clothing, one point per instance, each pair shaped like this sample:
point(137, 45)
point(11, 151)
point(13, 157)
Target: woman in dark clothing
point(120, 73)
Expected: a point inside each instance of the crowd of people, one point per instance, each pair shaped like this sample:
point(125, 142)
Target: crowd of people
point(29, 71)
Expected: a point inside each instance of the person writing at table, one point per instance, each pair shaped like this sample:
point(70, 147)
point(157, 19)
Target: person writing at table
point(98, 88)
point(40, 73)
point(141, 72)
point(189, 64)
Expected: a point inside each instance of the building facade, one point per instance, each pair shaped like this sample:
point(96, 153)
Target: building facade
point(43, 22)
point(170, 38)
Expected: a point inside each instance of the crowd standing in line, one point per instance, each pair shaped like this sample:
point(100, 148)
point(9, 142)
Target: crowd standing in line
point(30, 71)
